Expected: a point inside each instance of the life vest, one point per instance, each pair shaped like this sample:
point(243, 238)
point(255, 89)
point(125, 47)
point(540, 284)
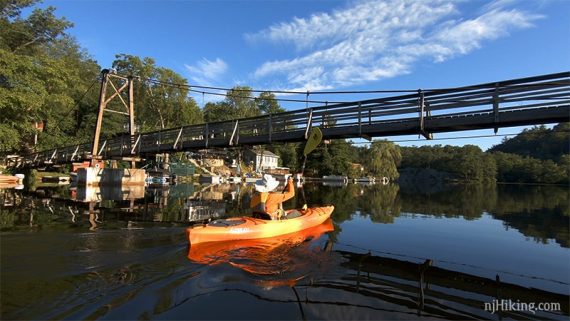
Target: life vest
point(260, 208)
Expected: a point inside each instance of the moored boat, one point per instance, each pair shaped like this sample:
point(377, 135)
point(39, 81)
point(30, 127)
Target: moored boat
point(243, 228)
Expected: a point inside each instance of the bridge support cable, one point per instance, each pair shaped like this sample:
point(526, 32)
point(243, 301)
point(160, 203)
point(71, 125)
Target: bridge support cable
point(53, 156)
point(74, 153)
point(102, 148)
point(496, 108)
point(206, 135)
point(137, 142)
point(309, 123)
point(235, 134)
point(423, 110)
point(175, 146)
point(359, 118)
point(270, 128)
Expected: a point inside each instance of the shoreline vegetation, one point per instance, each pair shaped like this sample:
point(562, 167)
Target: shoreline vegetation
point(49, 87)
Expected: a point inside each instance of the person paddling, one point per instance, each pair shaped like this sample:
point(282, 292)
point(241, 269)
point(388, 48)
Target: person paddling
point(267, 204)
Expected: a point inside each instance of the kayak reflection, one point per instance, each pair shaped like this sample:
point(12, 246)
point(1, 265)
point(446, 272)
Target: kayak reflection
point(289, 256)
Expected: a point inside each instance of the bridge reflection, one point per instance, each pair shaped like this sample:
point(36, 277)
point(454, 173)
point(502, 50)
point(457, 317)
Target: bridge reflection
point(393, 285)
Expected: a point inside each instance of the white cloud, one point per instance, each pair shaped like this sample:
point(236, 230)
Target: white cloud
point(206, 71)
point(498, 4)
point(372, 40)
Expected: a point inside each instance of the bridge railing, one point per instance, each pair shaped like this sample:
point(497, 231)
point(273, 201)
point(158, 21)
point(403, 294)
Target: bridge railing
point(394, 115)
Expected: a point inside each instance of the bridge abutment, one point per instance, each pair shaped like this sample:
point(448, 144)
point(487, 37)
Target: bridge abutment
point(94, 176)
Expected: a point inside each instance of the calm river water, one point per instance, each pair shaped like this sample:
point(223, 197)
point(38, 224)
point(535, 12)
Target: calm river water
point(388, 253)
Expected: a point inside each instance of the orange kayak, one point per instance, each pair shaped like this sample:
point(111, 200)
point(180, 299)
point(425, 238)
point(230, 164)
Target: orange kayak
point(221, 252)
point(245, 228)
point(9, 179)
point(268, 259)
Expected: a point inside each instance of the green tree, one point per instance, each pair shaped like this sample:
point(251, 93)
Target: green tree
point(43, 75)
point(287, 155)
point(239, 103)
point(28, 35)
point(267, 103)
point(335, 158)
point(465, 163)
point(565, 165)
point(342, 156)
point(240, 100)
point(216, 112)
point(538, 142)
point(158, 105)
point(383, 159)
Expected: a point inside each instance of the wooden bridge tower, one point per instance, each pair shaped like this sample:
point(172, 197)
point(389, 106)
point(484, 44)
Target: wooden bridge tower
point(120, 85)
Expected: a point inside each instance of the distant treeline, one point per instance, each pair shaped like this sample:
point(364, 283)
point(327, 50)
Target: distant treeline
point(537, 155)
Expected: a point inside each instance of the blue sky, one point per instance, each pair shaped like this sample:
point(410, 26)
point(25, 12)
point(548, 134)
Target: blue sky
point(345, 45)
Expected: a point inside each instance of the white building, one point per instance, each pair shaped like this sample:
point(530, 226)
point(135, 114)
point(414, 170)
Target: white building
point(261, 160)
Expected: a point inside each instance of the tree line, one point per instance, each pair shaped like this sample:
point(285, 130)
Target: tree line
point(536, 155)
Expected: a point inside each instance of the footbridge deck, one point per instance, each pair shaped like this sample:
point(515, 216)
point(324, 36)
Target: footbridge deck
point(525, 101)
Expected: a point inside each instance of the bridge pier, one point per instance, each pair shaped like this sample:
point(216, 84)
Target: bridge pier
point(95, 176)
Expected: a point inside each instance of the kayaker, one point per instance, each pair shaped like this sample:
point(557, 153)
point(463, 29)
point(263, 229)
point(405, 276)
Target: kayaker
point(267, 204)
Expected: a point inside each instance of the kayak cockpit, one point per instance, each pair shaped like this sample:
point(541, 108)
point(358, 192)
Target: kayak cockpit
point(226, 222)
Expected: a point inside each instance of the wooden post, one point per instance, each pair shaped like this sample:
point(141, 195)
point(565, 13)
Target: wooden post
point(131, 106)
point(132, 128)
point(102, 105)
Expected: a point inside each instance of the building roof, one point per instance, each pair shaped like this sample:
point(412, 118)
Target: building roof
point(265, 153)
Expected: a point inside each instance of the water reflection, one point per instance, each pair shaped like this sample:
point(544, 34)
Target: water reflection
point(281, 260)
point(107, 193)
point(394, 253)
point(539, 212)
point(387, 286)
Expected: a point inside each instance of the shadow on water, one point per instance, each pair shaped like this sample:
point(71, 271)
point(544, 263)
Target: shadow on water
point(117, 254)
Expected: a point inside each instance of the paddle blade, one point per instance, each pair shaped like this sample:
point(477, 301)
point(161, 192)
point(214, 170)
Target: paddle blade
point(315, 137)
